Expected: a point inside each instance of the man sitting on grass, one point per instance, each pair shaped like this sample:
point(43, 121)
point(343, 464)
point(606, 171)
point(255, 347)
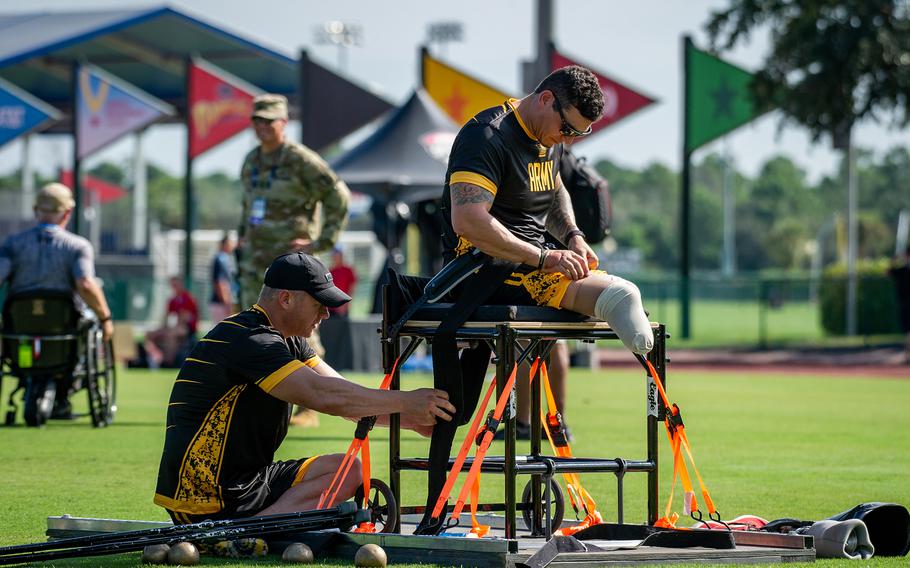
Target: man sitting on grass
point(231, 402)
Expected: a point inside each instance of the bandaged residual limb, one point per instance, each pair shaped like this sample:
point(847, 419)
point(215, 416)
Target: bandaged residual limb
point(620, 305)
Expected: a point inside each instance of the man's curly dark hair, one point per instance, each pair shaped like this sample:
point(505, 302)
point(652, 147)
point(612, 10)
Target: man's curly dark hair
point(576, 86)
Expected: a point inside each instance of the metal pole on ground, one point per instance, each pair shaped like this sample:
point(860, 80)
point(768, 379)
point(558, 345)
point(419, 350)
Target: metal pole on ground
point(28, 180)
point(140, 195)
point(852, 237)
point(189, 200)
point(684, 291)
point(77, 163)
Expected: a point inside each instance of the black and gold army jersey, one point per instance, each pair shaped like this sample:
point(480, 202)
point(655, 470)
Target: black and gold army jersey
point(221, 420)
point(496, 151)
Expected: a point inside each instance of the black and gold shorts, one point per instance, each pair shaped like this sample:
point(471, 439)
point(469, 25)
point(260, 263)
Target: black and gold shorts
point(530, 286)
point(251, 493)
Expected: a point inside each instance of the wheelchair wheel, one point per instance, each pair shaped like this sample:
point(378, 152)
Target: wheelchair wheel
point(39, 400)
point(102, 384)
point(382, 506)
point(557, 504)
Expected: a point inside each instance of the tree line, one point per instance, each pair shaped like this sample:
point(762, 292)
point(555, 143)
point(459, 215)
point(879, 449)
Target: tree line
point(781, 218)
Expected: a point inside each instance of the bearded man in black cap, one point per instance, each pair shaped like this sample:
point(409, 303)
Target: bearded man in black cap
point(231, 402)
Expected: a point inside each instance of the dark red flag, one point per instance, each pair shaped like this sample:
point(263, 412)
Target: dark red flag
point(619, 100)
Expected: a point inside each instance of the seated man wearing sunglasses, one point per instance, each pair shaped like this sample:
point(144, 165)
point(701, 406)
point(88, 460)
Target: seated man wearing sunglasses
point(502, 194)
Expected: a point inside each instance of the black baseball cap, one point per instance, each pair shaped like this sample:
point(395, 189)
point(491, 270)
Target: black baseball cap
point(300, 271)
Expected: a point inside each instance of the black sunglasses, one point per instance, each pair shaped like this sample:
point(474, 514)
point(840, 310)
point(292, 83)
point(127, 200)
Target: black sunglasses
point(567, 129)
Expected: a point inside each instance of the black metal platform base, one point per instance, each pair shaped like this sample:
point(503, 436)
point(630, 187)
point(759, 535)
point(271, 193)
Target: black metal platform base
point(495, 552)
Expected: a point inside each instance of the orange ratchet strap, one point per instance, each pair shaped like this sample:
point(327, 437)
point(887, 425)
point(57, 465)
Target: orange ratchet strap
point(486, 438)
point(676, 432)
point(361, 442)
point(559, 441)
point(482, 436)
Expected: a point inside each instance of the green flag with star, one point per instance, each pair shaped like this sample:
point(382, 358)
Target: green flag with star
point(717, 98)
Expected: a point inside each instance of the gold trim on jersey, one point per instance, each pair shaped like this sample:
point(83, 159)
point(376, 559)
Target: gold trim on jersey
point(313, 361)
point(261, 310)
point(271, 381)
point(194, 360)
point(198, 491)
point(514, 104)
point(473, 179)
point(207, 340)
point(234, 323)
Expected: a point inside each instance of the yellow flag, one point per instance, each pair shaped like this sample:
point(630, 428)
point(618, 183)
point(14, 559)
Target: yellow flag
point(457, 93)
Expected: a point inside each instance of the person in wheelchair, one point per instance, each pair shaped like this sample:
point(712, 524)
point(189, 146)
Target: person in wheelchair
point(48, 258)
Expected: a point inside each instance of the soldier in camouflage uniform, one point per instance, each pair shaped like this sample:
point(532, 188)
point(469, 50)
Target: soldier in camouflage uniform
point(285, 185)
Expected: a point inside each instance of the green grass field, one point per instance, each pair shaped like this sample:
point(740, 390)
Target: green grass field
point(738, 322)
point(771, 445)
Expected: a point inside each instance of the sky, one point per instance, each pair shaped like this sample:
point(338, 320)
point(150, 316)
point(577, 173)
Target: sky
point(635, 42)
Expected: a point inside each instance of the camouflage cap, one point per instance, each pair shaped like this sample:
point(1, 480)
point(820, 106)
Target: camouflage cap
point(54, 198)
point(270, 107)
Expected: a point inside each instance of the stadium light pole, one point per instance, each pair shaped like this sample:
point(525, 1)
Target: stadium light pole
point(444, 33)
point(341, 34)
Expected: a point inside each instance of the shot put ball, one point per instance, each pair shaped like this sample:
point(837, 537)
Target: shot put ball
point(370, 556)
point(183, 554)
point(155, 554)
point(298, 553)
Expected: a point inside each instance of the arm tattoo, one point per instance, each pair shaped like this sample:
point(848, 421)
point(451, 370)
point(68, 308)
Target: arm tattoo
point(561, 218)
point(465, 193)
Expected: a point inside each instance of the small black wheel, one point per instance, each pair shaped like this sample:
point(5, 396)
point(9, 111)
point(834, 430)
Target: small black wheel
point(102, 385)
point(382, 506)
point(557, 504)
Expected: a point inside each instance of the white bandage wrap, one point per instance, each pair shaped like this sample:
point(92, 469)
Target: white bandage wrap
point(620, 306)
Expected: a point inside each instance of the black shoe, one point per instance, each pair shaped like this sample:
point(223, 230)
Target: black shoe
point(522, 432)
point(429, 526)
point(63, 410)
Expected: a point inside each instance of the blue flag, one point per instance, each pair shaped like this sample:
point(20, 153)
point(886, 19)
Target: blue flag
point(21, 113)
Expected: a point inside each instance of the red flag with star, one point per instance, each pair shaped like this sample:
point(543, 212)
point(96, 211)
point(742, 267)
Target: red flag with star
point(620, 100)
